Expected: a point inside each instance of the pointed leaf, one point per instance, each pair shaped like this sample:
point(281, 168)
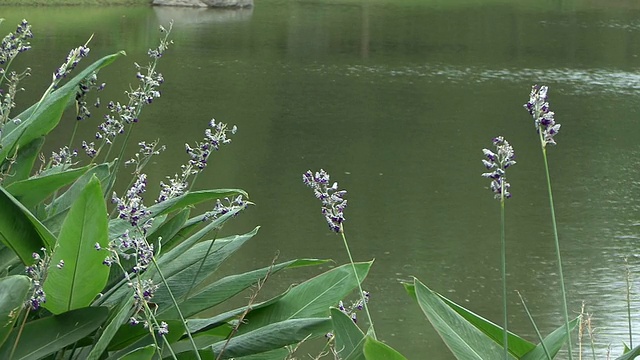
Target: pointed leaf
point(630, 354)
point(463, 339)
point(31, 192)
point(376, 350)
point(219, 291)
point(20, 230)
point(348, 336)
point(312, 298)
point(14, 291)
point(553, 342)
point(169, 229)
point(23, 165)
point(143, 353)
point(83, 275)
point(166, 259)
point(42, 117)
point(45, 336)
point(107, 335)
point(270, 337)
point(57, 210)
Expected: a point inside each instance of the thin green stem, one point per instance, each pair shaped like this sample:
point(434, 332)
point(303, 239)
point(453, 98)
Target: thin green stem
point(355, 273)
point(175, 303)
point(557, 245)
point(503, 268)
point(193, 281)
point(535, 327)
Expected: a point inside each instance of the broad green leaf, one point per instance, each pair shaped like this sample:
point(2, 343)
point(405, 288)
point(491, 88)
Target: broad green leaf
point(165, 261)
point(32, 191)
point(630, 354)
point(189, 265)
point(169, 229)
point(44, 116)
point(8, 259)
point(57, 210)
point(187, 229)
point(143, 353)
point(45, 336)
point(312, 298)
point(222, 320)
point(14, 291)
point(270, 337)
point(22, 167)
point(376, 350)
point(20, 230)
point(553, 342)
point(221, 290)
point(517, 345)
point(348, 336)
point(463, 339)
point(109, 332)
point(83, 275)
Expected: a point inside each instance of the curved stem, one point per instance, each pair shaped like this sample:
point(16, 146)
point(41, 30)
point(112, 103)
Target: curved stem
point(557, 245)
point(355, 273)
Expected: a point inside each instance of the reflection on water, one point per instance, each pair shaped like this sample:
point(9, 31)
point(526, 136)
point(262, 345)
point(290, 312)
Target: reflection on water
point(200, 16)
point(396, 101)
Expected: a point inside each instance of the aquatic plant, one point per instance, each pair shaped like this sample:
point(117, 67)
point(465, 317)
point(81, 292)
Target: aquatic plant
point(498, 162)
point(89, 272)
point(468, 335)
point(547, 128)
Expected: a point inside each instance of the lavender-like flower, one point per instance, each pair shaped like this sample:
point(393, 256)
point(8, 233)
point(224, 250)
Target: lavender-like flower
point(63, 157)
point(538, 108)
point(131, 206)
point(70, 62)
point(224, 207)
point(38, 273)
point(15, 43)
point(214, 137)
point(333, 202)
point(498, 163)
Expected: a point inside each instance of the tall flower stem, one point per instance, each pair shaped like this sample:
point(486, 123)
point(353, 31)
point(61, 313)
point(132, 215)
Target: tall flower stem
point(557, 244)
point(175, 303)
point(355, 273)
point(503, 268)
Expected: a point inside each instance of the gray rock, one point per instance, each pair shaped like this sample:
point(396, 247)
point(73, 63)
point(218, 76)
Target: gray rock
point(206, 3)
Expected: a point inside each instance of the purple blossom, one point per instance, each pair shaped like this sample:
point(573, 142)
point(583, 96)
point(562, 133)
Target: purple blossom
point(498, 162)
point(333, 202)
point(538, 108)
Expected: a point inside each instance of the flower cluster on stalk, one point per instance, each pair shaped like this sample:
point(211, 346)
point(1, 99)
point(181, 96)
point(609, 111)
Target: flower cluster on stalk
point(147, 90)
point(38, 272)
point(215, 136)
point(63, 157)
point(538, 108)
point(225, 206)
point(15, 43)
point(352, 309)
point(144, 154)
point(498, 163)
point(333, 202)
point(84, 87)
point(131, 207)
point(70, 62)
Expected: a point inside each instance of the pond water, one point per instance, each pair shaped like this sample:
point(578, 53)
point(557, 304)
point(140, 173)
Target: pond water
point(396, 99)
